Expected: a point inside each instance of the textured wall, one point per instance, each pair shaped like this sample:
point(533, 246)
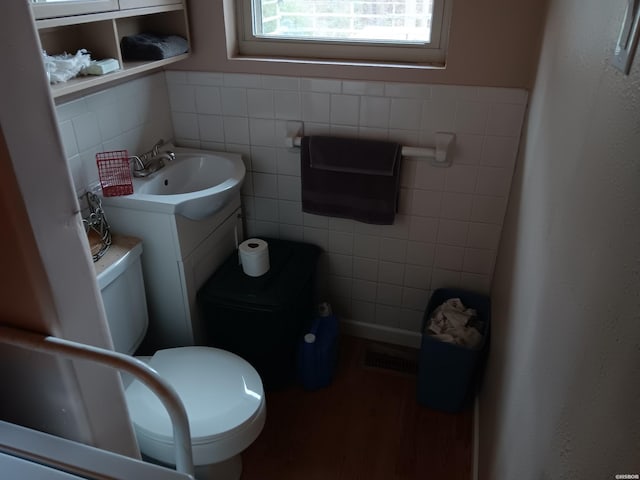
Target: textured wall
point(561, 397)
point(491, 43)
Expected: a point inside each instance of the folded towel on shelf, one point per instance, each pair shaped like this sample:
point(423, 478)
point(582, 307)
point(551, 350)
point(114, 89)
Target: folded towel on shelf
point(350, 178)
point(149, 46)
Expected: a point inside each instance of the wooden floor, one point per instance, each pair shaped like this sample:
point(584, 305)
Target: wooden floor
point(366, 425)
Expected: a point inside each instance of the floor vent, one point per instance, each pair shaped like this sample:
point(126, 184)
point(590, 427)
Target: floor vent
point(395, 359)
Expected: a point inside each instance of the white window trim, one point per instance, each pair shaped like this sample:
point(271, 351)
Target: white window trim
point(316, 51)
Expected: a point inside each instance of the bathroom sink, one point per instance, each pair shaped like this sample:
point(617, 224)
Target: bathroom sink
point(196, 185)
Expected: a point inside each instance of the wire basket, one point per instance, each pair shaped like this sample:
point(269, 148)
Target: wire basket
point(114, 173)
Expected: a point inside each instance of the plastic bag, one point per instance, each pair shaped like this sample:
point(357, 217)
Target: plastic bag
point(61, 68)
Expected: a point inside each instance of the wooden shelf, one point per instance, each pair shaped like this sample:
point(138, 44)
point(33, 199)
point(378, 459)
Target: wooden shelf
point(96, 17)
point(100, 33)
point(130, 68)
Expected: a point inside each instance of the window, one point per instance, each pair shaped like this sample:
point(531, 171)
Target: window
point(352, 31)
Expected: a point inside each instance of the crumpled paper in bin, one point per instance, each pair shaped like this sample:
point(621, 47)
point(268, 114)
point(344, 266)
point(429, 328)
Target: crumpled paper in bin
point(452, 322)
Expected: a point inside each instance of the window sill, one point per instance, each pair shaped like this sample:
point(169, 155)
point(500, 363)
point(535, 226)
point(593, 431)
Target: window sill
point(337, 62)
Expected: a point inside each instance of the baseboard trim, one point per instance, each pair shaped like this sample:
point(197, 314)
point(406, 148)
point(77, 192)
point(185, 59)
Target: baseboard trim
point(380, 333)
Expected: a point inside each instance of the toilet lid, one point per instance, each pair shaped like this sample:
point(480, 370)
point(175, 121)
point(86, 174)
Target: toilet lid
point(220, 391)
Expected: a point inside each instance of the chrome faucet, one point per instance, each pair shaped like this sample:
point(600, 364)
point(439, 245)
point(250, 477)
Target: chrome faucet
point(139, 167)
point(151, 161)
point(137, 161)
point(156, 148)
point(167, 155)
point(156, 153)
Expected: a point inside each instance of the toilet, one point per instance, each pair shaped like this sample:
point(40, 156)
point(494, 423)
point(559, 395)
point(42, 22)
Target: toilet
point(222, 393)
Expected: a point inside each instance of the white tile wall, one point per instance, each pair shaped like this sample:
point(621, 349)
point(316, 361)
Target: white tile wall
point(449, 223)
point(130, 116)
point(450, 219)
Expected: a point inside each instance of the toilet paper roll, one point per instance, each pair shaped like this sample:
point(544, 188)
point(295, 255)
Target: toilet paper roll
point(254, 257)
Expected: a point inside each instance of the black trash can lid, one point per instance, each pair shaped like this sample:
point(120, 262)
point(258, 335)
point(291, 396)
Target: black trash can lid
point(292, 266)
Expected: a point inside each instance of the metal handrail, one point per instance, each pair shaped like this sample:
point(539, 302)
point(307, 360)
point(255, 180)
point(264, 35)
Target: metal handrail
point(140, 370)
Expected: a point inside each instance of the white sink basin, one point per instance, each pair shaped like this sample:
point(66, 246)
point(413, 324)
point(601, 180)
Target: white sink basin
point(197, 184)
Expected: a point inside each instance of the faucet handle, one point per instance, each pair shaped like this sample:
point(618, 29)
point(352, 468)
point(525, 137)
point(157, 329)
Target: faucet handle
point(157, 146)
point(138, 163)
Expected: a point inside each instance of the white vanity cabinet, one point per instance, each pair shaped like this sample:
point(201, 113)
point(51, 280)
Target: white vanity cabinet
point(101, 32)
point(178, 256)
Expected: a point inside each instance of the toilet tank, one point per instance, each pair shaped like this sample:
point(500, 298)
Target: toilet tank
point(122, 288)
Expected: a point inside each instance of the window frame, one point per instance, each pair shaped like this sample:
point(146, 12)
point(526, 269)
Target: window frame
point(345, 52)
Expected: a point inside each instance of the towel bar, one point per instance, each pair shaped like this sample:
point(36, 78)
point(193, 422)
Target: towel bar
point(440, 154)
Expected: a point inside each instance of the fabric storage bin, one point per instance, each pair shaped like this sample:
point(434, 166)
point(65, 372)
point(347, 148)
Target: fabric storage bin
point(262, 318)
point(448, 374)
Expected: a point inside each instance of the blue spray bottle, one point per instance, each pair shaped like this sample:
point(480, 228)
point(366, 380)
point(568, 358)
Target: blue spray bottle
point(318, 350)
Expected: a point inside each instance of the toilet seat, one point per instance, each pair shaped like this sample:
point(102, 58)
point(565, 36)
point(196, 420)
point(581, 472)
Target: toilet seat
point(223, 397)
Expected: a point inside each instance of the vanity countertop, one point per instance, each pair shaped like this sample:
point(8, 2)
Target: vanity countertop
point(120, 246)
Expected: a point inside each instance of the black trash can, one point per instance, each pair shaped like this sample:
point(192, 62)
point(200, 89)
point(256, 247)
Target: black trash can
point(448, 374)
point(262, 318)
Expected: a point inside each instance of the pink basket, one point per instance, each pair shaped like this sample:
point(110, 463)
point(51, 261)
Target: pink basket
point(114, 173)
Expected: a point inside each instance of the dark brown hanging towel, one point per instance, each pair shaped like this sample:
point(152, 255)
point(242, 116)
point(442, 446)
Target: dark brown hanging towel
point(351, 178)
